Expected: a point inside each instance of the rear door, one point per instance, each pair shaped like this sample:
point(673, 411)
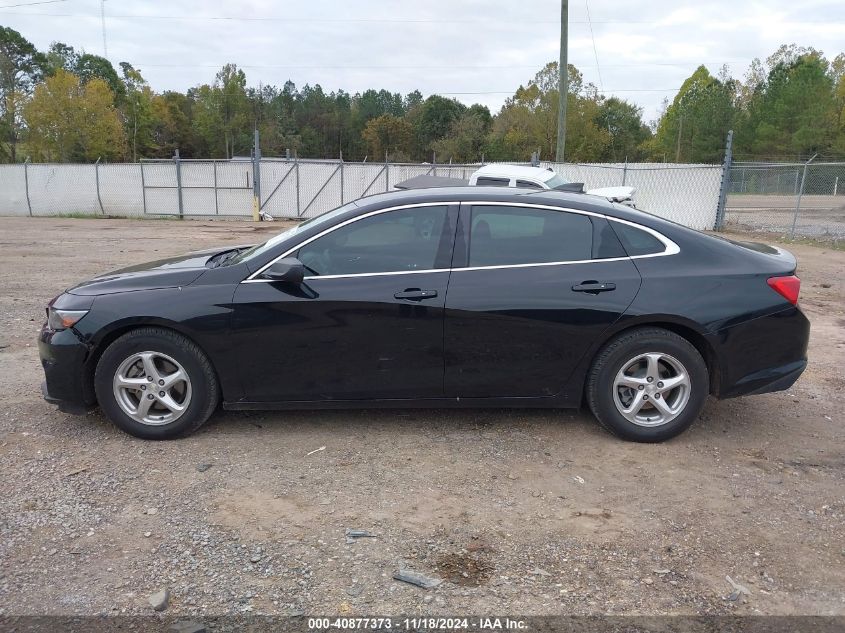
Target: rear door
point(532, 288)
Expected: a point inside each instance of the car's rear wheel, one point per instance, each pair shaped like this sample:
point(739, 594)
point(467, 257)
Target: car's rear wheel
point(647, 385)
point(156, 384)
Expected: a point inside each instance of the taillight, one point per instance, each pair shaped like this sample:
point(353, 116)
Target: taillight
point(786, 287)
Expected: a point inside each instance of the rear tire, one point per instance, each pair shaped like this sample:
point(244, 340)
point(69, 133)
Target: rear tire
point(156, 384)
point(647, 385)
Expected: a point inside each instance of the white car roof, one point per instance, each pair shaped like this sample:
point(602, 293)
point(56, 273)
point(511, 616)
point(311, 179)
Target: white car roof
point(514, 171)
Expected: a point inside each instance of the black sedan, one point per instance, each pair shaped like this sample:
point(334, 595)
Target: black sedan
point(449, 297)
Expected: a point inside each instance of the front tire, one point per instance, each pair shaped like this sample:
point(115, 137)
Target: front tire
point(647, 385)
point(156, 384)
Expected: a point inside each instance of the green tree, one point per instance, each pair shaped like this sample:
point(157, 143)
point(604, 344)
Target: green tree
point(793, 113)
point(72, 121)
point(528, 120)
point(467, 137)
point(61, 56)
point(90, 67)
point(171, 125)
point(136, 105)
point(21, 67)
point(694, 127)
point(628, 133)
point(433, 122)
point(390, 136)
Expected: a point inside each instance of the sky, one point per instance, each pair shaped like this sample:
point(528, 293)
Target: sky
point(477, 51)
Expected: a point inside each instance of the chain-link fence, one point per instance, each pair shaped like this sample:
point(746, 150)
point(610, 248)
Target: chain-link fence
point(688, 194)
point(790, 199)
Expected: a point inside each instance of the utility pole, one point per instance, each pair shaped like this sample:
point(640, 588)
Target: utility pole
point(563, 80)
point(680, 130)
point(103, 24)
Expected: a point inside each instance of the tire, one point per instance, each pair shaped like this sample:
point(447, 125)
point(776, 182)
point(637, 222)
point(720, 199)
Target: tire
point(140, 360)
point(622, 386)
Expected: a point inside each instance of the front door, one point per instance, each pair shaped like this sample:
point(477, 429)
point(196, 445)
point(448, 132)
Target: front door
point(367, 322)
point(529, 299)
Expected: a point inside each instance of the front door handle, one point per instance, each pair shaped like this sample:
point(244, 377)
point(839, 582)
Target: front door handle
point(594, 287)
point(415, 294)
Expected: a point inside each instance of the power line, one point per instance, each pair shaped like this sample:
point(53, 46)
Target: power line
point(593, 36)
point(30, 4)
point(476, 22)
point(411, 67)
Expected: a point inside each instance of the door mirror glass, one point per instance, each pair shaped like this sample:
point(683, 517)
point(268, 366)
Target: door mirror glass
point(289, 269)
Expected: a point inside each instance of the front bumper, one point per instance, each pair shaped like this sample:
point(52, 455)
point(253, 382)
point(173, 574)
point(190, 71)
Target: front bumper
point(67, 382)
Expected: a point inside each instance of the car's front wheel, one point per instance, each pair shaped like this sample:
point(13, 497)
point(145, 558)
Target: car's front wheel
point(647, 385)
point(156, 384)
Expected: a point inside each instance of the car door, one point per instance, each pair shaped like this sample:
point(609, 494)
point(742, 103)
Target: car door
point(531, 292)
point(367, 321)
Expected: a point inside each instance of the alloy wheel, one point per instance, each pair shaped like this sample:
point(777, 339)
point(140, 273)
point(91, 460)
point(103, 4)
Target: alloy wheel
point(651, 389)
point(152, 388)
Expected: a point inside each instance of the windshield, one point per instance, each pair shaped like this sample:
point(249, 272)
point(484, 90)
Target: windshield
point(258, 249)
point(556, 181)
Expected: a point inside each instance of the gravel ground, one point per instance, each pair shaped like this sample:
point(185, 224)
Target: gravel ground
point(819, 218)
point(523, 512)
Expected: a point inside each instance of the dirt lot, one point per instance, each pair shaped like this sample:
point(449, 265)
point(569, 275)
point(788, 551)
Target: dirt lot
point(521, 512)
point(820, 217)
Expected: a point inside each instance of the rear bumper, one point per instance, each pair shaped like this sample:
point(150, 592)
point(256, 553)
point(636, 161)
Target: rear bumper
point(763, 355)
point(63, 358)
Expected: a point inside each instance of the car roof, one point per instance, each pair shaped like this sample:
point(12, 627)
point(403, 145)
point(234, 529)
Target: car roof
point(515, 171)
point(551, 197)
point(487, 194)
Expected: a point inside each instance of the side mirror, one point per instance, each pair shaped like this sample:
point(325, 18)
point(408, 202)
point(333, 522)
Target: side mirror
point(289, 269)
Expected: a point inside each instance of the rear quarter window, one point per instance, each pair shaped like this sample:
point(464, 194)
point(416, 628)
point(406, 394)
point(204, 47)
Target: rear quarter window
point(636, 241)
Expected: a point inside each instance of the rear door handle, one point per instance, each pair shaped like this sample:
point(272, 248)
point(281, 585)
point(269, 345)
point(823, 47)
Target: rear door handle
point(415, 294)
point(594, 287)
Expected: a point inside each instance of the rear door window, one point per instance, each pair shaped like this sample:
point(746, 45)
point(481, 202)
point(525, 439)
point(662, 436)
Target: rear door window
point(506, 235)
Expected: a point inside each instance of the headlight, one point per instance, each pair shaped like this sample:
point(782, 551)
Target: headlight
point(63, 319)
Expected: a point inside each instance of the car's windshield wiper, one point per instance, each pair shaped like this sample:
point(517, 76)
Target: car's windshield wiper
point(221, 258)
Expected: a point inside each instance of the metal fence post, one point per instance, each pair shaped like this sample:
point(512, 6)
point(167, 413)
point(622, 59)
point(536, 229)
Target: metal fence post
point(296, 167)
point(178, 162)
point(726, 182)
point(216, 202)
point(256, 178)
point(386, 172)
point(97, 182)
point(625, 171)
point(26, 184)
point(341, 179)
point(798, 199)
point(143, 190)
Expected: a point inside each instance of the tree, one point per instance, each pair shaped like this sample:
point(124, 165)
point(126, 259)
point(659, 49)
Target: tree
point(171, 125)
point(222, 114)
point(793, 113)
point(628, 133)
point(694, 127)
point(137, 110)
point(21, 67)
point(388, 136)
point(528, 120)
point(72, 121)
point(433, 122)
point(60, 56)
point(90, 67)
point(467, 137)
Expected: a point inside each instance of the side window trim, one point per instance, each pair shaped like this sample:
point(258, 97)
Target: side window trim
point(671, 247)
point(451, 207)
